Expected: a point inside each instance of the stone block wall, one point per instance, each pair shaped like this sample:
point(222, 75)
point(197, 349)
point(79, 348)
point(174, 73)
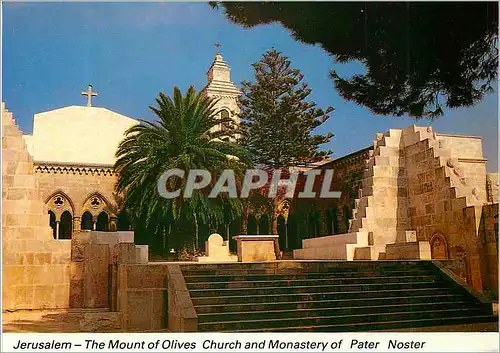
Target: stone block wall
point(77, 184)
point(447, 188)
point(492, 187)
point(36, 268)
point(94, 260)
point(488, 235)
point(425, 192)
point(142, 296)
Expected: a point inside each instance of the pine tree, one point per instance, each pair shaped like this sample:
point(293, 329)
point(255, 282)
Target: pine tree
point(277, 121)
point(420, 57)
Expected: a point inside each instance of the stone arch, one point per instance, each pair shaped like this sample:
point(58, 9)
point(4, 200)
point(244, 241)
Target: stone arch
point(52, 223)
point(439, 247)
point(66, 225)
point(251, 224)
point(332, 221)
point(59, 202)
point(225, 113)
point(282, 231)
point(87, 221)
point(102, 222)
point(95, 203)
point(263, 224)
point(346, 213)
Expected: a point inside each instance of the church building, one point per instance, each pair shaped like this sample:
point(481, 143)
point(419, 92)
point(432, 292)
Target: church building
point(73, 150)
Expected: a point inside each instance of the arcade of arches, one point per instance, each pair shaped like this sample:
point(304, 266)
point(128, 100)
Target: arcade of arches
point(95, 214)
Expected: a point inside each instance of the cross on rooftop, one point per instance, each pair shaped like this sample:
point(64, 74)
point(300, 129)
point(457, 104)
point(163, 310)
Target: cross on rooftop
point(217, 46)
point(89, 93)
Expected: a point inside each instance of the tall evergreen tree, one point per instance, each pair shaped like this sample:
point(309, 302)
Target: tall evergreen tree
point(277, 120)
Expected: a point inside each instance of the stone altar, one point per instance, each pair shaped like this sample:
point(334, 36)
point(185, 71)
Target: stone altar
point(253, 248)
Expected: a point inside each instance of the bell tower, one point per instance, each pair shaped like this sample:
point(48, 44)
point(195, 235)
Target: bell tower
point(222, 88)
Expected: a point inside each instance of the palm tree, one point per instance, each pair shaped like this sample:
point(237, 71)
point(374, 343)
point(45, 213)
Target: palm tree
point(185, 137)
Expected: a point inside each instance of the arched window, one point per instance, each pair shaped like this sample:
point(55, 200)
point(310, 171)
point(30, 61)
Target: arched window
point(251, 225)
point(332, 223)
point(282, 232)
point(87, 221)
point(66, 226)
point(264, 224)
point(345, 211)
point(314, 223)
point(225, 125)
point(52, 223)
point(439, 247)
point(102, 222)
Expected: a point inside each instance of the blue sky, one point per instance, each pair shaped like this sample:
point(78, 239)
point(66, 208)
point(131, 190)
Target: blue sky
point(132, 51)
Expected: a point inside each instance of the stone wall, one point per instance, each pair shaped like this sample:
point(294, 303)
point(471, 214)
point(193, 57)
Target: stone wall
point(447, 188)
point(422, 195)
point(492, 187)
point(142, 296)
point(488, 235)
point(36, 268)
point(77, 185)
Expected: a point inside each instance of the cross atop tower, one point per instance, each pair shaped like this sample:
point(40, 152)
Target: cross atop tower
point(89, 93)
point(217, 48)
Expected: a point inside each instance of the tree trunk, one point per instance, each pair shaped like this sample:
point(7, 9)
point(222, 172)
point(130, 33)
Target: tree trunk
point(196, 235)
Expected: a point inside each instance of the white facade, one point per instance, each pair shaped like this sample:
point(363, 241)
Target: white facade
point(77, 135)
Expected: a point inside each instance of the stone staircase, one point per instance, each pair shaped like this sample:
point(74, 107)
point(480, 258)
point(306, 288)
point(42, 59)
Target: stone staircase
point(36, 268)
point(328, 296)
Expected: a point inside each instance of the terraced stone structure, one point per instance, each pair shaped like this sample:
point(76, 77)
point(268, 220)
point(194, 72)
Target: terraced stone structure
point(114, 287)
point(422, 195)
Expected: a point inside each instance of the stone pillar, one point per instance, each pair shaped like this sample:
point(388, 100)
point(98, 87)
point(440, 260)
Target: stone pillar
point(57, 229)
point(94, 223)
point(287, 244)
point(113, 224)
point(77, 224)
point(323, 228)
point(244, 221)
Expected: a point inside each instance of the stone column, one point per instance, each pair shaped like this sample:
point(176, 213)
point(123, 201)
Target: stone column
point(77, 224)
point(275, 225)
point(113, 224)
point(94, 222)
point(57, 229)
point(244, 221)
point(286, 235)
point(322, 224)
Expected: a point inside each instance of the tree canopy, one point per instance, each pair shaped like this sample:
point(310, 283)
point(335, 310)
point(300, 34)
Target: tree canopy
point(277, 121)
point(185, 136)
point(419, 57)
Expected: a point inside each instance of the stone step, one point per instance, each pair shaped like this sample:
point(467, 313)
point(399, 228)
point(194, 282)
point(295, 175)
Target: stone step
point(383, 326)
point(299, 312)
point(312, 289)
point(287, 297)
point(380, 317)
point(307, 282)
point(360, 238)
point(213, 278)
point(299, 267)
point(333, 303)
point(332, 295)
